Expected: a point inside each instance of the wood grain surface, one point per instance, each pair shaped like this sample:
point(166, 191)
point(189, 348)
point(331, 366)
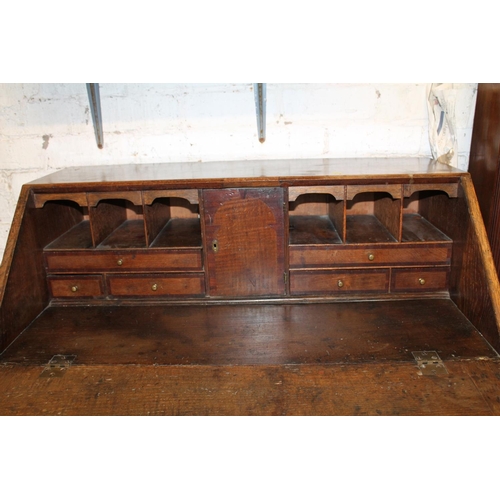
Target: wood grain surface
point(245, 242)
point(248, 173)
point(484, 164)
point(470, 388)
point(250, 334)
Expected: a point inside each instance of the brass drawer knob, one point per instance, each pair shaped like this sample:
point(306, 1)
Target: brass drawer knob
point(74, 288)
point(421, 281)
point(119, 262)
point(340, 283)
point(371, 257)
point(154, 287)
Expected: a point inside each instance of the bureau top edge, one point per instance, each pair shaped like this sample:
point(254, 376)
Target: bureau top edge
point(253, 173)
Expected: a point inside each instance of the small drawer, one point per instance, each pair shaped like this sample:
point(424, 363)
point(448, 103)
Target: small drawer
point(75, 286)
point(157, 285)
point(429, 279)
point(150, 260)
point(338, 281)
point(303, 256)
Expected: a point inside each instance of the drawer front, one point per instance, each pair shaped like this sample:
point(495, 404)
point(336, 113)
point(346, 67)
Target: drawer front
point(157, 285)
point(400, 254)
point(338, 281)
point(88, 261)
point(75, 286)
point(420, 280)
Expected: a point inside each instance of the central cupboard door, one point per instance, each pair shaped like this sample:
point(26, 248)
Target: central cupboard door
point(245, 242)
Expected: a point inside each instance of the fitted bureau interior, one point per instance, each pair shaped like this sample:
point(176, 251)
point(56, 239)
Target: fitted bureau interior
point(342, 239)
point(294, 269)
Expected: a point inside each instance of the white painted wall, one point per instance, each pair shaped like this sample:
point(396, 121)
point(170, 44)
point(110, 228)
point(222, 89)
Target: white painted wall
point(46, 127)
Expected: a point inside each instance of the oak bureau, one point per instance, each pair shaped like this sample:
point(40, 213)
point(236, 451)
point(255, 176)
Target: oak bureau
point(270, 233)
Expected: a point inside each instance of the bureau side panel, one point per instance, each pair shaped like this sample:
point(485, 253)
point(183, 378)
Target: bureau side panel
point(474, 284)
point(23, 288)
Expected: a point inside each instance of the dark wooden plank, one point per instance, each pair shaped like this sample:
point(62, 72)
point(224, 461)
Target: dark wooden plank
point(494, 224)
point(311, 204)
point(188, 194)
point(310, 230)
point(337, 213)
point(250, 334)
point(486, 377)
point(366, 229)
point(336, 191)
point(105, 218)
point(156, 216)
point(389, 213)
point(450, 188)
point(473, 279)
point(255, 173)
point(179, 233)
point(23, 289)
point(42, 198)
point(76, 238)
point(395, 190)
point(484, 166)
point(470, 388)
point(134, 197)
point(416, 228)
point(130, 234)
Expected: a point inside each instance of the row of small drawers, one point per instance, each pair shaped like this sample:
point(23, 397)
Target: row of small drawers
point(126, 285)
point(302, 282)
point(381, 280)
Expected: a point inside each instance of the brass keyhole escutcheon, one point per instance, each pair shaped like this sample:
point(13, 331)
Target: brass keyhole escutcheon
point(74, 288)
point(215, 246)
point(421, 281)
point(119, 262)
point(371, 257)
point(340, 283)
point(154, 287)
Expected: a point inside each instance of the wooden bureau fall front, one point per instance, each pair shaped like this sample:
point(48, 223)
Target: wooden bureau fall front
point(259, 232)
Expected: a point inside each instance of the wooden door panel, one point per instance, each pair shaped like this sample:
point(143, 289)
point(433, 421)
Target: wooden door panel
point(244, 234)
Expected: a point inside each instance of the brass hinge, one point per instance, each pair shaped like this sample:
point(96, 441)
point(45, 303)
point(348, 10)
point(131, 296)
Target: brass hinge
point(285, 277)
point(430, 363)
point(58, 365)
